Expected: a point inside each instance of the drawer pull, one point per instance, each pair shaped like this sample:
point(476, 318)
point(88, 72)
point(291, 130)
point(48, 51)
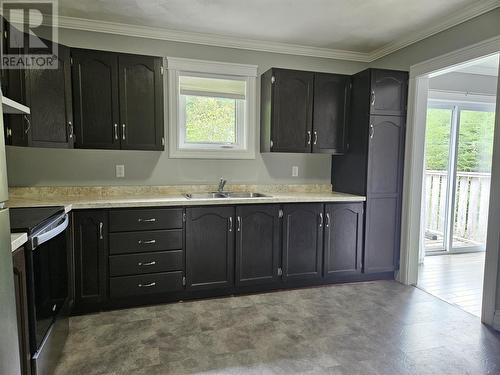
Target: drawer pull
point(146, 285)
point(152, 220)
point(152, 263)
point(146, 242)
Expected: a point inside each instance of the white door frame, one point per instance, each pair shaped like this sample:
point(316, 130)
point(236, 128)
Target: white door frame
point(411, 228)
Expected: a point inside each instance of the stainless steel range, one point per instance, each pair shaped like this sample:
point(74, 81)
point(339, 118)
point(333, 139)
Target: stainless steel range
point(47, 279)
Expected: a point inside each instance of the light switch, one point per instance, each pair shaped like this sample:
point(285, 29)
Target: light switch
point(295, 171)
point(120, 171)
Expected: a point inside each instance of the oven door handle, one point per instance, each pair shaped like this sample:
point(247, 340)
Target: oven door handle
point(44, 237)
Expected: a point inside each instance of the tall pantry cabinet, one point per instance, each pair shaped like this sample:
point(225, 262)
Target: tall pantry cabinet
point(374, 164)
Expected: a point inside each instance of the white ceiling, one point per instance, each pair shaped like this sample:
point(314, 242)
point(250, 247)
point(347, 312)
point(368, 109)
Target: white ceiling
point(486, 66)
point(359, 26)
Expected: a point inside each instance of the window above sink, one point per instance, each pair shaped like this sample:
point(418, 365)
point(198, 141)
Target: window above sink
point(212, 109)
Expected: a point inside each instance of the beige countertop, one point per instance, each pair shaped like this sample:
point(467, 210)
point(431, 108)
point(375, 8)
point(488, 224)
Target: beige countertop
point(17, 240)
point(152, 200)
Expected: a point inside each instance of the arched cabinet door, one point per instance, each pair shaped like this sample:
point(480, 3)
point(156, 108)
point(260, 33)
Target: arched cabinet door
point(257, 244)
point(385, 153)
point(343, 239)
point(95, 98)
point(210, 247)
point(91, 259)
point(302, 241)
point(389, 90)
point(292, 111)
point(141, 102)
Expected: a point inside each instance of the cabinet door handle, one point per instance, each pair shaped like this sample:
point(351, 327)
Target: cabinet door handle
point(230, 223)
point(315, 137)
point(239, 224)
point(70, 129)
point(115, 126)
point(101, 226)
point(146, 285)
point(124, 128)
point(146, 242)
point(152, 220)
point(152, 263)
point(327, 220)
point(373, 97)
point(309, 137)
point(320, 220)
point(26, 131)
point(372, 131)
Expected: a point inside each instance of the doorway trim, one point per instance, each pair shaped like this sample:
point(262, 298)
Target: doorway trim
point(411, 228)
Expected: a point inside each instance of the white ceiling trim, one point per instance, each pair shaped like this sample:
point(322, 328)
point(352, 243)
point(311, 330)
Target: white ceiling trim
point(453, 19)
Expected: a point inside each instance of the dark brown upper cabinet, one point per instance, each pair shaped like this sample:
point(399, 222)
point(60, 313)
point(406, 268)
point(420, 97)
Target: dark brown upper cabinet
point(141, 102)
point(330, 113)
point(286, 110)
point(389, 91)
point(48, 94)
point(304, 112)
point(95, 97)
point(118, 100)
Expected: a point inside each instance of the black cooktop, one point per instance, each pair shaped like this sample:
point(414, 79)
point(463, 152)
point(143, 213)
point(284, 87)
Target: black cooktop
point(32, 219)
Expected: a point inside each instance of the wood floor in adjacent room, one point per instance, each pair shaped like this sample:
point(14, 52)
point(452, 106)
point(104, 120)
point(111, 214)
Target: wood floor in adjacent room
point(378, 327)
point(456, 278)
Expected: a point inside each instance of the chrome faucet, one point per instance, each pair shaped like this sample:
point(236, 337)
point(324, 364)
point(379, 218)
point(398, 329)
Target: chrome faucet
point(222, 183)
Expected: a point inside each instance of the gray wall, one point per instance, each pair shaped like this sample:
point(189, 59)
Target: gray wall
point(473, 31)
point(42, 167)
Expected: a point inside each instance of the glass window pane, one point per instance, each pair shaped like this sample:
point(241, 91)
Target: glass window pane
point(472, 191)
point(210, 120)
point(437, 148)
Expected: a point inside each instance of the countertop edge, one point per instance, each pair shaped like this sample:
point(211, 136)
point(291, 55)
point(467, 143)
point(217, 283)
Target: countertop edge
point(175, 201)
point(17, 240)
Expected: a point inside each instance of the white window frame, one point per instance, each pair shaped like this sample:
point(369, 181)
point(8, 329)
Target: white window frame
point(245, 148)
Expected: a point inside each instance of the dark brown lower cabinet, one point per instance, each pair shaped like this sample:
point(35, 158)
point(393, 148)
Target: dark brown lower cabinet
point(257, 244)
point(19, 262)
point(91, 259)
point(382, 234)
point(343, 239)
point(210, 247)
point(302, 241)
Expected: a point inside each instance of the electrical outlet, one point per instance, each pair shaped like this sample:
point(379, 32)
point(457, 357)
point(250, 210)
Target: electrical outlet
point(295, 171)
point(120, 171)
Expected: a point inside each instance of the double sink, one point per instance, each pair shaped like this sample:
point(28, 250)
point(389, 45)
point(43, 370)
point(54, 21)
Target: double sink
point(222, 195)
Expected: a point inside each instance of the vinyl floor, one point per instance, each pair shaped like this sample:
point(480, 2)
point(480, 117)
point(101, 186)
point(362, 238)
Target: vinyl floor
point(378, 327)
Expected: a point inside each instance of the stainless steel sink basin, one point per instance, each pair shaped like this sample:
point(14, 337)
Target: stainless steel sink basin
point(229, 194)
point(210, 195)
point(245, 195)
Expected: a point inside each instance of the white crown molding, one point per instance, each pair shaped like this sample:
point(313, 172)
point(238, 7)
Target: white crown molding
point(207, 39)
point(456, 18)
point(107, 27)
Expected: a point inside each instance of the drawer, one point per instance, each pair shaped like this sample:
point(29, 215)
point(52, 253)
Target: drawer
point(142, 285)
point(135, 264)
point(145, 241)
point(148, 219)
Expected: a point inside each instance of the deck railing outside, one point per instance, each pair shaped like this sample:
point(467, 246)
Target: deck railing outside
point(471, 205)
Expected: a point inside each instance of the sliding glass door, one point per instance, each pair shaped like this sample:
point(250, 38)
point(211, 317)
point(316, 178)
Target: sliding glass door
point(459, 143)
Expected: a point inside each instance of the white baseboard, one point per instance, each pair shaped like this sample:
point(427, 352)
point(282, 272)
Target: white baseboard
point(496, 320)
